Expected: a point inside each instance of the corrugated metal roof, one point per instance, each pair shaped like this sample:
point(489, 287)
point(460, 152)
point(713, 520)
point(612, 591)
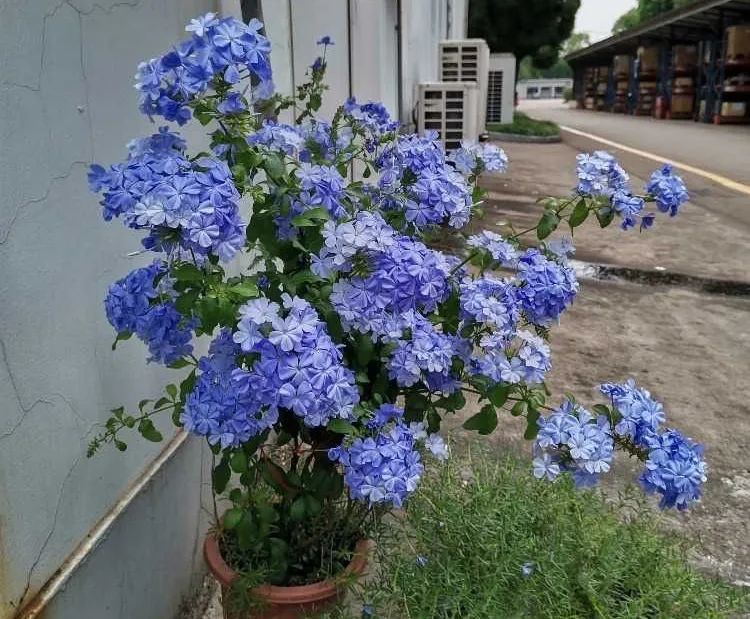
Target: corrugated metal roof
point(691, 23)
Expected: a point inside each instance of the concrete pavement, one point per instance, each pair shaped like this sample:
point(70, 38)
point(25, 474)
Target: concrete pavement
point(723, 149)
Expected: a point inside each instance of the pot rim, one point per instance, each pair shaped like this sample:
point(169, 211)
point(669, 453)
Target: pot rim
point(292, 594)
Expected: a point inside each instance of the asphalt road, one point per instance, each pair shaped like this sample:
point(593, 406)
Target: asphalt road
point(723, 149)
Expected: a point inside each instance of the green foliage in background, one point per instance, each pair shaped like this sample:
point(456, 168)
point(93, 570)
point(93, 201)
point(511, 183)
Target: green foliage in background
point(483, 539)
point(536, 28)
point(646, 9)
point(523, 125)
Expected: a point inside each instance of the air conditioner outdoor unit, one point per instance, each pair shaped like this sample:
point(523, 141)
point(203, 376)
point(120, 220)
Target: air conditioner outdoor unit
point(500, 89)
point(467, 60)
point(450, 109)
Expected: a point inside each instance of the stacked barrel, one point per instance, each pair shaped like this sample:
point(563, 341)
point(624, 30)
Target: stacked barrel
point(684, 66)
point(621, 68)
point(735, 87)
point(648, 63)
point(602, 84)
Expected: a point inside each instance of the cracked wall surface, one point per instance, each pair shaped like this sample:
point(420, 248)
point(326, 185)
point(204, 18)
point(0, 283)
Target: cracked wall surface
point(67, 99)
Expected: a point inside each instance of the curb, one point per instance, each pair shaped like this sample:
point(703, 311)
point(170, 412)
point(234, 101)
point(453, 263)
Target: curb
point(526, 139)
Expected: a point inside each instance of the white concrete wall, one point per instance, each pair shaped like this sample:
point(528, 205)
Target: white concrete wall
point(66, 95)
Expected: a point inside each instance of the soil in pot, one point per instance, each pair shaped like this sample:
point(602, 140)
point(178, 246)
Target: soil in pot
point(284, 602)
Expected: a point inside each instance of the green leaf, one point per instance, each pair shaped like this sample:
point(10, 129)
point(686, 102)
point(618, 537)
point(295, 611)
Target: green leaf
point(121, 337)
point(220, 476)
point(298, 509)
point(179, 364)
point(185, 302)
point(142, 404)
point(532, 428)
point(312, 504)
point(274, 166)
point(171, 391)
point(484, 422)
point(605, 216)
point(120, 444)
point(246, 290)
point(600, 409)
point(498, 394)
point(187, 272)
point(148, 431)
point(519, 408)
point(340, 426)
point(238, 462)
point(232, 517)
point(311, 217)
point(547, 224)
point(579, 214)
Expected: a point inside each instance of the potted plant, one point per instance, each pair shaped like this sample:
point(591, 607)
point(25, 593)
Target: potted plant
point(337, 340)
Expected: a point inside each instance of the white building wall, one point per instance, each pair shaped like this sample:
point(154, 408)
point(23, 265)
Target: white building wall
point(67, 99)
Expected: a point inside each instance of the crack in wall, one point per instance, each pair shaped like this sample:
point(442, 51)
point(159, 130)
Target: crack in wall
point(50, 533)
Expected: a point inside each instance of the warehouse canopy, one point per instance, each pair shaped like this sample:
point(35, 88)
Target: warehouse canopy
point(704, 19)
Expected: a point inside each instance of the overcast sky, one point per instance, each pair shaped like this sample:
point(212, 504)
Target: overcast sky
point(597, 16)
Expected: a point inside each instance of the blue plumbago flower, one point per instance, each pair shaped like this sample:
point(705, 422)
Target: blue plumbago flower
point(218, 49)
point(438, 196)
point(320, 143)
point(186, 206)
point(299, 367)
point(437, 447)
point(321, 186)
point(668, 189)
point(490, 301)
point(277, 137)
point(426, 357)
point(500, 249)
point(385, 468)
point(527, 569)
point(475, 158)
point(404, 277)
point(384, 414)
point(326, 40)
point(221, 407)
point(641, 417)
point(232, 104)
point(547, 289)
point(421, 561)
point(599, 174)
point(628, 208)
point(562, 247)
point(371, 116)
point(571, 438)
point(675, 469)
point(507, 359)
point(131, 306)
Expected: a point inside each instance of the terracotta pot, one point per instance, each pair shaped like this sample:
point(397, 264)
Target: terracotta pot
point(290, 602)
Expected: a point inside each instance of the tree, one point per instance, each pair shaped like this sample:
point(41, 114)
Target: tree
point(626, 21)
point(576, 41)
point(646, 9)
point(535, 28)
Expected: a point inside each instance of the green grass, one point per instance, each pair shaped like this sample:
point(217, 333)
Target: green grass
point(478, 524)
point(523, 125)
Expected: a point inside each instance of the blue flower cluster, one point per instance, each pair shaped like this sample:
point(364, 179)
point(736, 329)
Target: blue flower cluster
point(675, 468)
point(599, 174)
point(413, 170)
point(187, 206)
point(277, 137)
point(501, 250)
point(426, 356)
point(383, 469)
point(222, 406)
point(299, 367)
point(492, 302)
point(475, 158)
point(668, 189)
point(321, 186)
point(547, 287)
point(525, 358)
point(372, 116)
point(133, 305)
point(571, 439)
point(403, 276)
point(218, 48)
